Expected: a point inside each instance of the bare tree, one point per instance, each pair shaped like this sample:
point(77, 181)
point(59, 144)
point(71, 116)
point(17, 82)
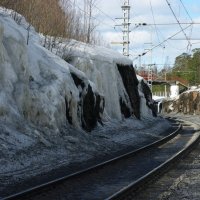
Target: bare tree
point(60, 19)
point(88, 18)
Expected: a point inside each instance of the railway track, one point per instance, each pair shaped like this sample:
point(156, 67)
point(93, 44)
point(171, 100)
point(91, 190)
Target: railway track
point(121, 177)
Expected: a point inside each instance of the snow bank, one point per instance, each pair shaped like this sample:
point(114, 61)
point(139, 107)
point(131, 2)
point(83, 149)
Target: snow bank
point(38, 86)
point(43, 89)
point(101, 66)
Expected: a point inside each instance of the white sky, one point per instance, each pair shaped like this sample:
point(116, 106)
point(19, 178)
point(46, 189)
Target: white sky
point(141, 13)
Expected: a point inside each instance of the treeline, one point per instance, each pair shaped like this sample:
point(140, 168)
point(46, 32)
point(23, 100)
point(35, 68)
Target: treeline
point(58, 18)
point(187, 66)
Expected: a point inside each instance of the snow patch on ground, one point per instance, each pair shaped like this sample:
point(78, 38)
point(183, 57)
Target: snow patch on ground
point(44, 152)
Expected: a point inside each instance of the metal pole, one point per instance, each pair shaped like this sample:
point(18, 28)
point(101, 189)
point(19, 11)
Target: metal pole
point(165, 84)
point(126, 24)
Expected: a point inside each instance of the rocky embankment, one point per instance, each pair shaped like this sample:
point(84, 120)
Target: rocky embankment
point(186, 103)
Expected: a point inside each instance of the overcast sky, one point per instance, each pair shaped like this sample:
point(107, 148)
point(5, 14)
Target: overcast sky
point(145, 37)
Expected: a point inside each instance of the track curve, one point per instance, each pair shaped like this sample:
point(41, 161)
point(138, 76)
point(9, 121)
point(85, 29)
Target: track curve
point(106, 180)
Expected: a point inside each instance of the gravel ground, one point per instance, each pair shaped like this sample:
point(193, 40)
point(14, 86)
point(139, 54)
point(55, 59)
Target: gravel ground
point(181, 182)
point(52, 155)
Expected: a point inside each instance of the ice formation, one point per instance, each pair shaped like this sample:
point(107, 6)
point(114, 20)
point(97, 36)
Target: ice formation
point(39, 87)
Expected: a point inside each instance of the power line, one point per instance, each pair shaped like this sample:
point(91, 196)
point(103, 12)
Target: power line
point(186, 10)
point(158, 45)
point(188, 16)
point(83, 11)
point(184, 39)
point(108, 16)
point(156, 30)
point(164, 24)
point(105, 14)
point(189, 44)
point(138, 24)
point(168, 41)
point(154, 21)
point(195, 42)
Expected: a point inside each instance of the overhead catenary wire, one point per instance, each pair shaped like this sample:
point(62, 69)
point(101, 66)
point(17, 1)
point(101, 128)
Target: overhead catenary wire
point(138, 24)
point(186, 10)
point(152, 13)
point(195, 42)
point(182, 30)
point(147, 24)
point(158, 45)
point(165, 24)
point(105, 14)
point(109, 17)
point(163, 45)
point(168, 24)
point(188, 16)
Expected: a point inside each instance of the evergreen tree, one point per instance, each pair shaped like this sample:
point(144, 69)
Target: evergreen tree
point(188, 67)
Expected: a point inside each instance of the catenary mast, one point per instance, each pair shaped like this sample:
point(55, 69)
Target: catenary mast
point(126, 27)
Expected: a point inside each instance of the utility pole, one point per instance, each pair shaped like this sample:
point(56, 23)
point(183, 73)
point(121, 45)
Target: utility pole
point(150, 76)
point(165, 84)
point(126, 24)
point(125, 27)
point(166, 69)
point(150, 71)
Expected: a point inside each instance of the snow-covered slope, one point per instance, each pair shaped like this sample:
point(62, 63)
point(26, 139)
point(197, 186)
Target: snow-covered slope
point(113, 75)
point(99, 65)
point(99, 84)
point(38, 86)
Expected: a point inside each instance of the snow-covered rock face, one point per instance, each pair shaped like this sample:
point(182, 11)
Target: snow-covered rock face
point(39, 87)
point(114, 77)
point(11, 71)
point(102, 70)
point(147, 97)
point(91, 104)
point(186, 103)
point(130, 82)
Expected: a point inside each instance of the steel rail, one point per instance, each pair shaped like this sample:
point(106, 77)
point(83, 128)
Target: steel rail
point(131, 190)
point(92, 168)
